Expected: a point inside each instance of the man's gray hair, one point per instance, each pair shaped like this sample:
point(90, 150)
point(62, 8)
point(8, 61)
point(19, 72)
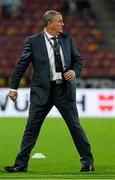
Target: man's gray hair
point(49, 16)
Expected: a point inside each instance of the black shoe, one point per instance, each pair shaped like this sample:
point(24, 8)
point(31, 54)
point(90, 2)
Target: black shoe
point(87, 168)
point(15, 168)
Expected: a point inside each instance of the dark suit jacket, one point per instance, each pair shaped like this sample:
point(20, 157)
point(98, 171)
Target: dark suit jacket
point(35, 51)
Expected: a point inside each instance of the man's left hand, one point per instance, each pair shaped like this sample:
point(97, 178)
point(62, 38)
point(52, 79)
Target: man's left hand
point(69, 75)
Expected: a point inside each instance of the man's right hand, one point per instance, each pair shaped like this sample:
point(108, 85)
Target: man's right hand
point(13, 95)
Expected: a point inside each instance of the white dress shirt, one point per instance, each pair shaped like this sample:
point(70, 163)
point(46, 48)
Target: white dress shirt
point(53, 74)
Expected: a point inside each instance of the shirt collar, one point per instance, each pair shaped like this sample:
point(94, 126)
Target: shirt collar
point(48, 35)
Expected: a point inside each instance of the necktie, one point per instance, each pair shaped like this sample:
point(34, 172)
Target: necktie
point(57, 57)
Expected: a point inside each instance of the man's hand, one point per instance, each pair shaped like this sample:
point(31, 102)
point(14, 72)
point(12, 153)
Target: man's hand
point(69, 75)
point(13, 95)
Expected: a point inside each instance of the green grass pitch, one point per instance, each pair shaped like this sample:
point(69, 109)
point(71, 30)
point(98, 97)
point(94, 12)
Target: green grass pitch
point(55, 142)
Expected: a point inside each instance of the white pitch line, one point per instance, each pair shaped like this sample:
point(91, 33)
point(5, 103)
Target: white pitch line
point(63, 175)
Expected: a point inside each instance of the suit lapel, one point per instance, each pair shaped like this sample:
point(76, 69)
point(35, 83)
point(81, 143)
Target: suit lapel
point(41, 44)
point(63, 44)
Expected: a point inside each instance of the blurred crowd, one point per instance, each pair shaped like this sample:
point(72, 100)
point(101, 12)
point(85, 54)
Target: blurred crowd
point(10, 8)
point(77, 7)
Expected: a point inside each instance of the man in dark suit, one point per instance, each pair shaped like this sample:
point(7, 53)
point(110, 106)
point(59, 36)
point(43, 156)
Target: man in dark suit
point(56, 65)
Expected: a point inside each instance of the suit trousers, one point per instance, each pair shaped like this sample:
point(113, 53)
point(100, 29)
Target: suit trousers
point(68, 110)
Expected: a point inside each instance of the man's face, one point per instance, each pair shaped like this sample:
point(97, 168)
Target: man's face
point(57, 24)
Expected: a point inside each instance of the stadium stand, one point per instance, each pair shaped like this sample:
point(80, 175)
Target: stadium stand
point(98, 62)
